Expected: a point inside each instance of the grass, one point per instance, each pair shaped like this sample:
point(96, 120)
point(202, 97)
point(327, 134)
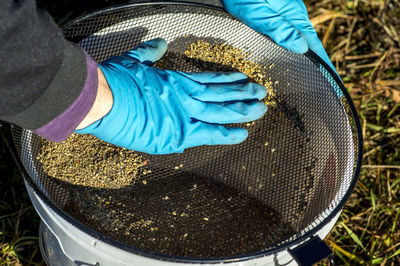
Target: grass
point(363, 39)
point(18, 220)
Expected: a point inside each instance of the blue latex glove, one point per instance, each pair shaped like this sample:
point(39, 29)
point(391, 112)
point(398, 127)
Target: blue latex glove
point(284, 21)
point(161, 111)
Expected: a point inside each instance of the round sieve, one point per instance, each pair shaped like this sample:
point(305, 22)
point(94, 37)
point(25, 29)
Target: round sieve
point(218, 203)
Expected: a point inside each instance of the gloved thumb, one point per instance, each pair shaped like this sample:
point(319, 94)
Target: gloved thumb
point(148, 52)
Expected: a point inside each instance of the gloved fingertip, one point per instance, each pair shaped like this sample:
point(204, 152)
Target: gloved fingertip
point(149, 52)
point(259, 110)
point(236, 135)
point(209, 134)
point(157, 43)
point(259, 91)
point(158, 47)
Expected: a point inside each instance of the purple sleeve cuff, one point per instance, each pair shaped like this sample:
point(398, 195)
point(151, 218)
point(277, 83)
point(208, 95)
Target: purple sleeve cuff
point(63, 125)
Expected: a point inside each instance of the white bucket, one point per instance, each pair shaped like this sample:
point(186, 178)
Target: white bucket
point(65, 244)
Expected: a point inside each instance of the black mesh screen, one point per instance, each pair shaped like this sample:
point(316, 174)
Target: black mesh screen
point(294, 170)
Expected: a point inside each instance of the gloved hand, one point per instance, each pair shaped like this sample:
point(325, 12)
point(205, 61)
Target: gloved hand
point(161, 111)
point(284, 21)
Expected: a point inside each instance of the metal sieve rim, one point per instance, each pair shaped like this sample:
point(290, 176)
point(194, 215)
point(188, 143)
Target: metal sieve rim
point(284, 246)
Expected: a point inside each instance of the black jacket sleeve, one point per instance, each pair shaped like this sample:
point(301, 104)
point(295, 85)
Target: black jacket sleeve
point(41, 73)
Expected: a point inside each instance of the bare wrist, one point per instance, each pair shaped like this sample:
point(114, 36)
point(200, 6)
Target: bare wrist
point(102, 104)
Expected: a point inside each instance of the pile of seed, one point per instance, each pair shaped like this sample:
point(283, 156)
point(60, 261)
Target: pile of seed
point(235, 58)
point(217, 57)
point(87, 161)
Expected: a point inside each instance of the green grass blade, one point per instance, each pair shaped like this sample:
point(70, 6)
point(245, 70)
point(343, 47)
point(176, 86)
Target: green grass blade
point(374, 127)
point(373, 200)
point(395, 254)
point(395, 222)
point(353, 257)
point(353, 236)
point(377, 261)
